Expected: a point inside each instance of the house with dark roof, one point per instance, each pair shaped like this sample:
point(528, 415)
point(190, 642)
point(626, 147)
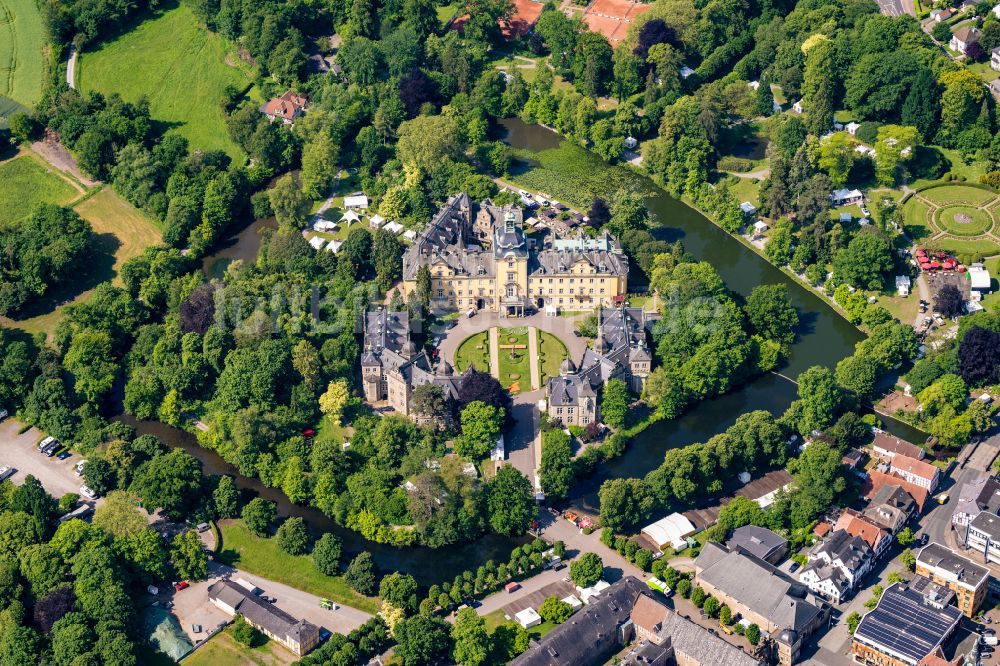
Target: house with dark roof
point(983, 537)
point(975, 497)
point(890, 508)
point(968, 580)
point(910, 622)
point(624, 613)
point(877, 480)
point(620, 351)
point(286, 108)
point(759, 542)
point(392, 366)
point(298, 636)
point(837, 565)
point(785, 609)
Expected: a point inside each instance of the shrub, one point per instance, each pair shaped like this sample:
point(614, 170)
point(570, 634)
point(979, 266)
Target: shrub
point(555, 610)
point(361, 574)
point(737, 164)
point(244, 633)
point(753, 634)
point(293, 537)
point(258, 515)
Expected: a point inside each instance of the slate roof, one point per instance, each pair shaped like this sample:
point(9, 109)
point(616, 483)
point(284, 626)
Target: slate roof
point(849, 549)
point(758, 541)
point(261, 613)
point(757, 585)
point(960, 569)
point(700, 646)
point(904, 624)
point(981, 495)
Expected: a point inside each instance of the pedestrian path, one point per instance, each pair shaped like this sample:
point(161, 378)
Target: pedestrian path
point(533, 358)
point(495, 352)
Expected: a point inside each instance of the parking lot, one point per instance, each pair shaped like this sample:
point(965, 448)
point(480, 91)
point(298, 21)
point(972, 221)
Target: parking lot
point(18, 451)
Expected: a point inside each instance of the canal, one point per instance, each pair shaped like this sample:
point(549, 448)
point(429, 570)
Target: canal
point(824, 337)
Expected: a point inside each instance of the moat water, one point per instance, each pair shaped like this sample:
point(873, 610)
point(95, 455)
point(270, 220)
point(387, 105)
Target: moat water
point(823, 338)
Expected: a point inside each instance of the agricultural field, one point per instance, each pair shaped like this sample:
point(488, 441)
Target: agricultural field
point(180, 67)
point(25, 182)
point(22, 55)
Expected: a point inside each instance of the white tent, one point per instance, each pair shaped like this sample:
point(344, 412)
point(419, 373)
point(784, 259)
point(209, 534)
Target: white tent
point(317, 242)
point(672, 531)
point(334, 246)
point(325, 225)
point(528, 618)
point(748, 208)
point(759, 227)
point(574, 602)
point(394, 227)
point(350, 216)
point(979, 277)
point(376, 221)
point(410, 235)
point(357, 200)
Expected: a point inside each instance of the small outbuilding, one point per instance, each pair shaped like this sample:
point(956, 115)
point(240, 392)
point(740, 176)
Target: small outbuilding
point(748, 209)
point(528, 618)
point(903, 285)
point(759, 227)
point(376, 221)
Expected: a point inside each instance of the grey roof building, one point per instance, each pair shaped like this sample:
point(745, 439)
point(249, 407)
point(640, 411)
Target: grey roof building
point(909, 623)
point(837, 565)
point(759, 542)
point(298, 636)
point(975, 497)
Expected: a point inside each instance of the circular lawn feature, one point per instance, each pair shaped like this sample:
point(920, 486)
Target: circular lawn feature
point(475, 349)
point(963, 220)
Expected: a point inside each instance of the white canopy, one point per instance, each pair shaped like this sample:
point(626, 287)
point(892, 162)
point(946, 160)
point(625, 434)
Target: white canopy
point(410, 235)
point(356, 201)
point(317, 242)
point(324, 225)
point(528, 618)
point(377, 221)
point(334, 246)
point(672, 531)
point(394, 227)
point(350, 216)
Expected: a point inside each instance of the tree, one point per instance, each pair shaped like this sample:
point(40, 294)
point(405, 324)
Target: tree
point(400, 590)
point(853, 620)
point(725, 615)
point(480, 430)
point(41, 567)
point(289, 205)
point(771, 312)
point(615, 400)
point(866, 261)
point(555, 610)
point(684, 588)
point(821, 399)
point(624, 502)
point(472, 643)
point(258, 515)
point(711, 606)
point(187, 554)
point(905, 537)
point(586, 570)
point(979, 356)
point(422, 640)
point(294, 537)
point(556, 471)
point(326, 554)
point(361, 574)
point(509, 501)
point(428, 141)
point(896, 145)
point(244, 633)
point(92, 363)
point(764, 99)
point(837, 156)
point(858, 375)
point(226, 498)
point(336, 398)
point(753, 634)
point(599, 213)
point(949, 301)
point(698, 596)
point(319, 165)
point(908, 559)
point(428, 400)
point(171, 481)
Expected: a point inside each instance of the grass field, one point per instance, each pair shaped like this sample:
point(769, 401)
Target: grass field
point(116, 219)
point(915, 216)
point(467, 353)
point(179, 66)
point(25, 182)
point(982, 246)
point(551, 352)
point(259, 556)
point(958, 194)
point(963, 220)
point(22, 46)
point(222, 650)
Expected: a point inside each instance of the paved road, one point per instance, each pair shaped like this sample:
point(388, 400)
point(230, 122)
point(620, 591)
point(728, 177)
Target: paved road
point(71, 68)
point(891, 7)
point(18, 451)
point(494, 353)
point(523, 444)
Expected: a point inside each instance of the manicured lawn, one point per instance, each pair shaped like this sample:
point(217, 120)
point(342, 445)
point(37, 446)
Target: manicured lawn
point(496, 619)
point(474, 349)
point(515, 364)
point(222, 650)
point(24, 182)
point(22, 51)
point(963, 220)
point(992, 300)
point(915, 214)
point(958, 194)
point(745, 189)
point(179, 66)
point(259, 556)
point(551, 352)
point(984, 247)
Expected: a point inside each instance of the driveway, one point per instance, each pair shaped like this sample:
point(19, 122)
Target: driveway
point(18, 451)
point(192, 606)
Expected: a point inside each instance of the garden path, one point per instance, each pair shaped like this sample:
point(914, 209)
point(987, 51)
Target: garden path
point(494, 352)
point(533, 358)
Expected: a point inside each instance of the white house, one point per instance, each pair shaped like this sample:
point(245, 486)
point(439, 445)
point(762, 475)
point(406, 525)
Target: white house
point(356, 201)
point(963, 39)
point(410, 235)
point(528, 618)
point(759, 227)
point(920, 472)
point(845, 197)
point(837, 565)
point(903, 285)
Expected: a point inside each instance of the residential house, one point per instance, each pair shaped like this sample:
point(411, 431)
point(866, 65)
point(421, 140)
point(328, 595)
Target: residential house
point(919, 472)
point(298, 636)
point(620, 351)
point(890, 508)
point(995, 59)
point(855, 524)
point(286, 108)
point(845, 197)
point(975, 497)
point(877, 480)
point(837, 565)
point(983, 537)
point(940, 15)
point(969, 581)
point(885, 447)
point(882, 639)
point(784, 609)
point(963, 39)
point(759, 542)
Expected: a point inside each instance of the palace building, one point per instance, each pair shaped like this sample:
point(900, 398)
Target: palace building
point(479, 257)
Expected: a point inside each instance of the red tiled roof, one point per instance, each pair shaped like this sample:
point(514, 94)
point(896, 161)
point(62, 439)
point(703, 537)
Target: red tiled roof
point(856, 525)
point(822, 529)
point(649, 614)
point(878, 479)
point(924, 470)
point(286, 106)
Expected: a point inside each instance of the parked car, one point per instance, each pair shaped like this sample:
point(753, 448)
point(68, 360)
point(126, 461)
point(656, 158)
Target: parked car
point(65, 454)
point(6, 472)
point(3, 414)
point(88, 493)
point(183, 585)
point(78, 469)
point(794, 567)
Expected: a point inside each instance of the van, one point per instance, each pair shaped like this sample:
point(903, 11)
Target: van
point(990, 639)
point(45, 443)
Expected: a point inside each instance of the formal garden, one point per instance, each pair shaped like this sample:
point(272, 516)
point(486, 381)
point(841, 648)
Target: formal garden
point(954, 218)
point(513, 356)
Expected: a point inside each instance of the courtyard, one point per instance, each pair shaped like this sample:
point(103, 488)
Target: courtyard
point(522, 358)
